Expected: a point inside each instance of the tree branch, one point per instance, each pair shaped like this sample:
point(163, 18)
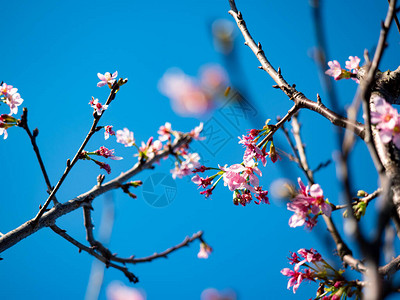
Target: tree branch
point(91, 251)
point(48, 218)
point(24, 124)
point(290, 91)
point(70, 164)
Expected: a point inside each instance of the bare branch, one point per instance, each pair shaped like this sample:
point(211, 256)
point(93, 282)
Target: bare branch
point(298, 97)
point(91, 251)
point(24, 124)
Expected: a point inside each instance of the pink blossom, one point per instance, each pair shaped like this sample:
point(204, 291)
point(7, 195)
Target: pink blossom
point(13, 101)
point(310, 256)
point(296, 278)
point(195, 133)
point(10, 96)
point(208, 192)
point(301, 208)
point(108, 131)
point(107, 153)
point(107, 78)
point(261, 195)
point(103, 165)
point(186, 167)
point(353, 64)
point(203, 182)
point(309, 200)
point(205, 251)
point(180, 170)
point(97, 106)
point(165, 132)
point(125, 137)
point(6, 89)
point(252, 151)
point(118, 291)
point(151, 148)
point(335, 70)
point(192, 160)
point(232, 177)
point(385, 115)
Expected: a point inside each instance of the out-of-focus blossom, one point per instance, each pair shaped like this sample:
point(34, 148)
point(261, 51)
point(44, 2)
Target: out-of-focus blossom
point(223, 32)
point(107, 78)
point(99, 108)
point(191, 96)
point(213, 294)
point(125, 137)
point(118, 291)
point(205, 250)
point(108, 131)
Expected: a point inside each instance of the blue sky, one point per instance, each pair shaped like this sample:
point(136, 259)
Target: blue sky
point(52, 51)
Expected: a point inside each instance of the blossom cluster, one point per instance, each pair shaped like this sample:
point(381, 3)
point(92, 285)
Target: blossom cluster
point(102, 151)
point(186, 162)
point(310, 266)
point(307, 205)
point(387, 121)
point(336, 71)
point(9, 96)
point(242, 179)
point(193, 96)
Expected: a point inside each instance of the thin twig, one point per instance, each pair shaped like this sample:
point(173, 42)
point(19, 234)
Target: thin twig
point(366, 200)
point(70, 164)
point(91, 251)
point(24, 124)
point(185, 242)
point(299, 99)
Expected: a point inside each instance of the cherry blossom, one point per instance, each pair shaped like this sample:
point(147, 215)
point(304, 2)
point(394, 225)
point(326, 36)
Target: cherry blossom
point(165, 132)
point(125, 137)
point(195, 133)
point(107, 78)
point(9, 95)
point(150, 149)
point(335, 70)
point(308, 200)
point(205, 250)
point(387, 121)
point(108, 131)
point(202, 182)
point(107, 153)
point(99, 108)
point(353, 64)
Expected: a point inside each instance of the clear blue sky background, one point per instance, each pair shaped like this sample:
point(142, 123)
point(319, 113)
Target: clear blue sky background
point(52, 50)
